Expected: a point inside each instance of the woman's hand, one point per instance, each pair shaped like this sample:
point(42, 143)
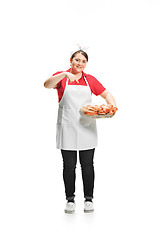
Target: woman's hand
point(109, 98)
point(71, 77)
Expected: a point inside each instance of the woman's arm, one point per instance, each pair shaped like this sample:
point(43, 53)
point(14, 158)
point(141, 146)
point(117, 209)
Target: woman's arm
point(52, 81)
point(109, 98)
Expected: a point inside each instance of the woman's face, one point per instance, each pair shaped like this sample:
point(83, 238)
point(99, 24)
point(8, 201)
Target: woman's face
point(78, 63)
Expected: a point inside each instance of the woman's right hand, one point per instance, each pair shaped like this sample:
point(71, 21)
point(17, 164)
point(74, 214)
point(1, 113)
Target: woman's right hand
point(71, 77)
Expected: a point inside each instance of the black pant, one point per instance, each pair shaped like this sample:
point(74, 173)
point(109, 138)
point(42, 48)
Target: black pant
point(69, 172)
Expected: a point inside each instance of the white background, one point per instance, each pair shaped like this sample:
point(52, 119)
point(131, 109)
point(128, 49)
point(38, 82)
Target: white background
point(124, 55)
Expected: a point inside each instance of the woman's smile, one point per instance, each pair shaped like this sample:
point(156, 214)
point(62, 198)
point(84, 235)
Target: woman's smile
point(79, 67)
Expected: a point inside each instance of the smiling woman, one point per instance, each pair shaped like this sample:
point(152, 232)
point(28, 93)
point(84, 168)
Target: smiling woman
point(74, 131)
point(78, 63)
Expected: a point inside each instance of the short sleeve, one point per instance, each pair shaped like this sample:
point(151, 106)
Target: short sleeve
point(96, 87)
point(58, 84)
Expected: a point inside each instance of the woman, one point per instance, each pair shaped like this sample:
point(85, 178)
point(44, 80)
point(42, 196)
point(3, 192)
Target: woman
point(76, 132)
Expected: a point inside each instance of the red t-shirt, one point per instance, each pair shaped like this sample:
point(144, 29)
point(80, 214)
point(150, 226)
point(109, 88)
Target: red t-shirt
point(95, 86)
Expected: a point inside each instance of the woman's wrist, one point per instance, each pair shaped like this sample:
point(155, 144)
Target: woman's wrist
point(65, 74)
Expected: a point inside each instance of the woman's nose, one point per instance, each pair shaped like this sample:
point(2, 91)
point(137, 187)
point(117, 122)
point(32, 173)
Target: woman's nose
point(81, 63)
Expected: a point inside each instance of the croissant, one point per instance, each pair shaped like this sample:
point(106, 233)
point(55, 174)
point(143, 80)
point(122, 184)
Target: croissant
point(99, 110)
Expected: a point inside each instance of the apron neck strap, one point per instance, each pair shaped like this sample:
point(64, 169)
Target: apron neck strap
point(85, 80)
point(67, 81)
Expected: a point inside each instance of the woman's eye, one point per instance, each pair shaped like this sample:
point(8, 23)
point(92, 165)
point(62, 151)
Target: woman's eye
point(84, 61)
point(77, 60)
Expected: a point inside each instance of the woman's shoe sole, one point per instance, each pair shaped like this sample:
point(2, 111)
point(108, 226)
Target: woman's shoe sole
point(69, 212)
point(89, 211)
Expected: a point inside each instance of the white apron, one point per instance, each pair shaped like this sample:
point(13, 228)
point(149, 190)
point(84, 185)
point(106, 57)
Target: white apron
point(75, 131)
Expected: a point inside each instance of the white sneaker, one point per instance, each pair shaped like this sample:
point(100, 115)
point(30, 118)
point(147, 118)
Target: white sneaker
point(88, 207)
point(70, 207)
